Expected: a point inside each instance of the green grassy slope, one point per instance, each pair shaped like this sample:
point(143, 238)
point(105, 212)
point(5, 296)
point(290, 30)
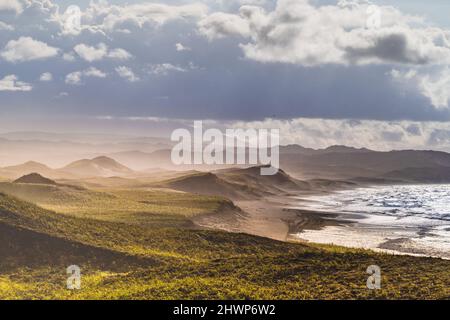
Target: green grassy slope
point(120, 258)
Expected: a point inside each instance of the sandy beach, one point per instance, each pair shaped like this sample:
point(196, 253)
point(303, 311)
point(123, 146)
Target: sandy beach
point(271, 218)
point(290, 219)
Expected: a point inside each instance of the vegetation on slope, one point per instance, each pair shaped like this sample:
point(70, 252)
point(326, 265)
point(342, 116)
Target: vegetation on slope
point(134, 259)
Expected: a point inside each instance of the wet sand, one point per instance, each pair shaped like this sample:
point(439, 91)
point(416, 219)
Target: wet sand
point(271, 218)
point(277, 218)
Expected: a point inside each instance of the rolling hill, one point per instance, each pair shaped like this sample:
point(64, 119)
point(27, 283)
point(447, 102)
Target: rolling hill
point(333, 163)
point(35, 178)
point(86, 168)
point(236, 184)
point(50, 193)
point(280, 182)
point(15, 172)
point(210, 184)
point(126, 260)
point(420, 175)
point(97, 167)
point(341, 162)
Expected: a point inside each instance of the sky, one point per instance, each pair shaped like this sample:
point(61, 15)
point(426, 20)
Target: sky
point(372, 74)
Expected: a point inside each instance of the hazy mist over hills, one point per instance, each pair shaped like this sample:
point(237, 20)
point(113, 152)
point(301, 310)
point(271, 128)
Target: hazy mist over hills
point(60, 156)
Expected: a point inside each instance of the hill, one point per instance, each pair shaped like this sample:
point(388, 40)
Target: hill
point(332, 163)
point(210, 184)
point(420, 175)
point(35, 178)
point(280, 182)
point(51, 194)
point(97, 167)
point(346, 163)
point(236, 184)
point(125, 260)
point(15, 172)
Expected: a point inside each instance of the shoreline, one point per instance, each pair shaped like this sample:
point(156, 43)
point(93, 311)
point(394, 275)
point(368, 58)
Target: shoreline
point(280, 218)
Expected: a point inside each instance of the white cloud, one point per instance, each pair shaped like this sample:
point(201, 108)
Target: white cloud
point(94, 72)
point(68, 57)
point(102, 17)
point(436, 88)
point(11, 83)
point(378, 135)
point(27, 49)
point(433, 85)
point(127, 74)
point(119, 54)
point(180, 47)
point(6, 27)
point(76, 78)
point(46, 77)
point(95, 53)
point(219, 25)
point(70, 20)
point(403, 75)
point(165, 69)
point(298, 32)
point(11, 5)
point(106, 17)
point(322, 133)
point(226, 4)
point(91, 54)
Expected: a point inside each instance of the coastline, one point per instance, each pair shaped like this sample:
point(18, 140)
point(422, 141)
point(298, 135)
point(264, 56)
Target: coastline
point(281, 218)
point(269, 218)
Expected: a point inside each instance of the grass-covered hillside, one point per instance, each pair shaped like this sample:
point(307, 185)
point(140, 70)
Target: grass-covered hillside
point(140, 244)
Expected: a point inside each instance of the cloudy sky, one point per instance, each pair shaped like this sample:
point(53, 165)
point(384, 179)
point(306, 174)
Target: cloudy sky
point(372, 74)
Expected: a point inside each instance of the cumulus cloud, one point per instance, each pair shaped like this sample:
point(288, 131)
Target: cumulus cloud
point(435, 85)
point(76, 78)
point(46, 77)
point(378, 135)
point(299, 32)
point(91, 54)
point(436, 88)
point(164, 69)
point(403, 75)
point(180, 47)
point(11, 5)
point(127, 74)
point(219, 25)
point(119, 54)
point(95, 53)
point(11, 83)
point(68, 57)
point(322, 133)
point(103, 17)
point(27, 49)
point(6, 27)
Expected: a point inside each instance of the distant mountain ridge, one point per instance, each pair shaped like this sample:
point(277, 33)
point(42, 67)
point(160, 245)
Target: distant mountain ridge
point(347, 163)
point(97, 167)
point(332, 163)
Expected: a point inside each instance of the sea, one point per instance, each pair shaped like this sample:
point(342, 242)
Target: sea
point(404, 219)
